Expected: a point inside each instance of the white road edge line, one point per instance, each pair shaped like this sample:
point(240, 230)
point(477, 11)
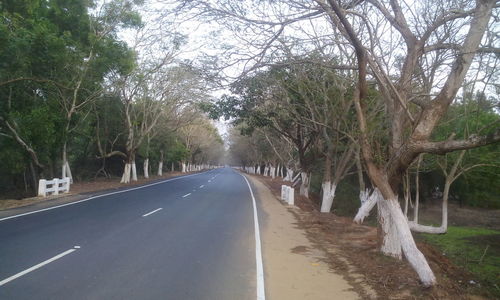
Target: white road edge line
point(152, 212)
point(261, 291)
point(48, 261)
point(99, 196)
point(201, 186)
point(186, 195)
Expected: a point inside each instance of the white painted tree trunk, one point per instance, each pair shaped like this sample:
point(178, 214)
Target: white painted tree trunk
point(146, 168)
point(183, 168)
point(364, 195)
point(172, 167)
point(134, 171)
point(405, 239)
point(328, 196)
point(126, 173)
point(416, 207)
point(367, 203)
point(391, 244)
point(66, 171)
point(273, 172)
point(397, 238)
point(291, 174)
point(428, 229)
point(444, 216)
point(266, 171)
point(160, 168)
point(304, 186)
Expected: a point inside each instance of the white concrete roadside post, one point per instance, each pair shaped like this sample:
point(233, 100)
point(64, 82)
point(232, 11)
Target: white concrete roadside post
point(291, 196)
point(284, 191)
point(55, 186)
point(288, 194)
point(42, 186)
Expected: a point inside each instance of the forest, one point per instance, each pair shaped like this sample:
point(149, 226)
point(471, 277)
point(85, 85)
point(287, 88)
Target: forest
point(370, 105)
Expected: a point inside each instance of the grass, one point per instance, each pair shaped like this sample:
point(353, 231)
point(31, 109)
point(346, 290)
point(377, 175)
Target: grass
point(475, 249)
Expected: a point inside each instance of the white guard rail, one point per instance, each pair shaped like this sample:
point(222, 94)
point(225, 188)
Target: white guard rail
point(54, 186)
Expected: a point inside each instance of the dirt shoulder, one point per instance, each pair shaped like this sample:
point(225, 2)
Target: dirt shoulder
point(294, 267)
point(78, 191)
point(349, 251)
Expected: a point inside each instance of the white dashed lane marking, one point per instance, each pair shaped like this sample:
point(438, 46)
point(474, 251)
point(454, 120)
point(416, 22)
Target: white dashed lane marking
point(152, 212)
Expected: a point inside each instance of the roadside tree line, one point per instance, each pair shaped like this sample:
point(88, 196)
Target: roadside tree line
point(78, 101)
point(386, 90)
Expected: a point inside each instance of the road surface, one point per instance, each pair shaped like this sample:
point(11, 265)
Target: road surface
point(188, 238)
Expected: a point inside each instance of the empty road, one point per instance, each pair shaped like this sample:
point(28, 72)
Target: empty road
point(192, 237)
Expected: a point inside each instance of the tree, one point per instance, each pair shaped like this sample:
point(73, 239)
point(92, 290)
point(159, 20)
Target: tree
point(56, 55)
point(266, 100)
point(92, 62)
point(406, 148)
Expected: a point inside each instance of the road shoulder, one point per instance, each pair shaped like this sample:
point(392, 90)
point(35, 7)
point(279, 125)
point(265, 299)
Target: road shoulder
point(294, 267)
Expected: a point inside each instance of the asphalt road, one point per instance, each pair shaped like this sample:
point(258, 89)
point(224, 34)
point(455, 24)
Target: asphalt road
point(188, 238)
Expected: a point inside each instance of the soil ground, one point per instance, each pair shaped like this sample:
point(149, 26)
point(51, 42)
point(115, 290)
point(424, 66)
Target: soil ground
point(352, 249)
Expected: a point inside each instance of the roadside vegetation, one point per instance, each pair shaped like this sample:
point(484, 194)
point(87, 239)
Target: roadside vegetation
point(477, 250)
point(78, 101)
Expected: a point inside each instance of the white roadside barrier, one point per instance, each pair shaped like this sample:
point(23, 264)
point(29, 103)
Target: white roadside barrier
point(288, 194)
point(54, 186)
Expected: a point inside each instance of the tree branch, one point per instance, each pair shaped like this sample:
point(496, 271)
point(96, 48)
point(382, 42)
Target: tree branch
point(473, 141)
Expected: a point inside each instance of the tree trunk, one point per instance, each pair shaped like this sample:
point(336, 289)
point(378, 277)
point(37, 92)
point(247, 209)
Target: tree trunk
point(287, 176)
point(417, 189)
point(410, 250)
point(328, 195)
point(34, 177)
point(134, 171)
point(304, 186)
point(129, 170)
point(367, 203)
point(444, 216)
point(407, 191)
point(66, 171)
point(389, 241)
point(327, 187)
point(160, 168)
point(146, 168)
point(126, 173)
